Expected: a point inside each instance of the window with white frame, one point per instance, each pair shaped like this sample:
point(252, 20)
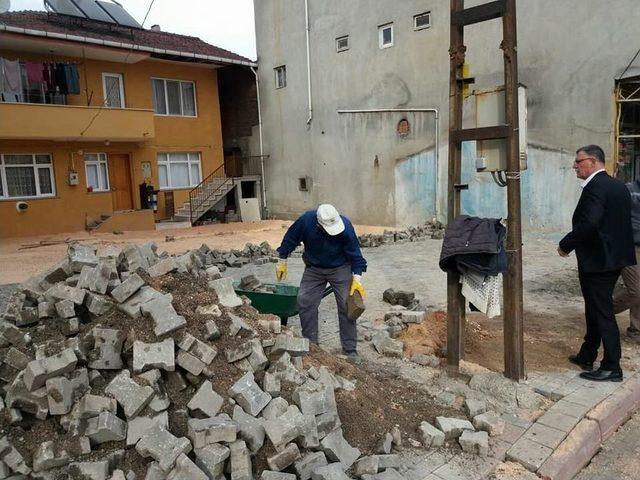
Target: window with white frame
point(97, 171)
point(342, 43)
point(422, 21)
point(385, 35)
point(281, 76)
point(174, 97)
point(179, 170)
point(26, 175)
point(113, 88)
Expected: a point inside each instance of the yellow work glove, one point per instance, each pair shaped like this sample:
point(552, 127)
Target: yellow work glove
point(281, 270)
point(356, 285)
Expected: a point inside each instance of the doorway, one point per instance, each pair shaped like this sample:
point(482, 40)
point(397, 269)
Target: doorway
point(120, 177)
point(628, 129)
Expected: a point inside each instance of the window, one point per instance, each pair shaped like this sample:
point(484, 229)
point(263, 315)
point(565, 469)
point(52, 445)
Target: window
point(97, 171)
point(385, 35)
point(26, 175)
point(113, 88)
point(302, 184)
point(174, 97)
point(179, 170)
point(281, 76)
point(422, 21)
point(342, 43)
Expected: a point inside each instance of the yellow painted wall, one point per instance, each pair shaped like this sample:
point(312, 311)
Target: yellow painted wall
point(73, 204)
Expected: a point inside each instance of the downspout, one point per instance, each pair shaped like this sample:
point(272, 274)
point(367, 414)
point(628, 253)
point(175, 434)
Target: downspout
point(264, 187)
point(437, 134)
point(306, 20)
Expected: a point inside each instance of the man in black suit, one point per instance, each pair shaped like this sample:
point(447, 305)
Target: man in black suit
point(603, 241)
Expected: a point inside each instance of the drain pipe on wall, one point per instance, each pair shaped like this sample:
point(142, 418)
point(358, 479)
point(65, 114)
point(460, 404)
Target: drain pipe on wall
point(306, 25)
point(413, 110)
point(264, 187)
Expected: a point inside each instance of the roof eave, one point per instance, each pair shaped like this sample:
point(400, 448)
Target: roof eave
point(124, 46)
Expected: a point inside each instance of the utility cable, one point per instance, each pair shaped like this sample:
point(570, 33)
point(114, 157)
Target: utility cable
point(630, 63)
point(110, 90)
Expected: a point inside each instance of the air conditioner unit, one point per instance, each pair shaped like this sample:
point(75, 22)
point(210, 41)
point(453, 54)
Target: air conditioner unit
point(491, 155)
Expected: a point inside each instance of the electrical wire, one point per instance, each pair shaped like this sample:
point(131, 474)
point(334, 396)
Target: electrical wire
point(110, 90)
point(630, 63)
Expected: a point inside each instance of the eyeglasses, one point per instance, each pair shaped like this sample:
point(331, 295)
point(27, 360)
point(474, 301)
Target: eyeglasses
point(577, 161)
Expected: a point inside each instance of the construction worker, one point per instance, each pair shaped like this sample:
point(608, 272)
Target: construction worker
point(331, 255)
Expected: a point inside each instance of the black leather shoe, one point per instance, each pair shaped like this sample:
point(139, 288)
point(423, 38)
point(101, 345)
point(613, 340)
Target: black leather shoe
point(583, 365)
point(603, 375)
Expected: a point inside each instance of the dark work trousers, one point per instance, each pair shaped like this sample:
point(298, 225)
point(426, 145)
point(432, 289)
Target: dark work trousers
point(314, 281)
point(597, 290)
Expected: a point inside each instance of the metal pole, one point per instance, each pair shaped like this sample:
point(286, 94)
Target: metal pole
point(264, 186)
point(306, 31)
point(513, 310)
point(455, 301)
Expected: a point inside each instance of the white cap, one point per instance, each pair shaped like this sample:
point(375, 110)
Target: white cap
point(329, 219)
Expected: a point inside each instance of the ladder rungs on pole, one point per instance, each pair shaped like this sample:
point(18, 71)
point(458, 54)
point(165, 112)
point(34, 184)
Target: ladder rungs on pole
point(483, 133)
point(481, 13)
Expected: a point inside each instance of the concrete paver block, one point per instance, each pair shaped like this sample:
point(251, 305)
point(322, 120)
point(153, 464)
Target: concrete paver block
point(294, 346)
point(12, 458)
point(336, 448)
point(276, 407)
point(163, 267)
point(474, 442)
point(574, 452)
point(59, 395)
point(251, 429)
point(107, 349)
point(211, 460)
point(558, 420)
point(132, 306)
point(453, 427)
point(213, 332)
point(159, 355)
point(249, 395)
point(203, 352)
point(305, 466)
point(190, 363)
point(284, 458)
point(49, 456)
point(613, 411)
point(65, 309)
point(185, 469)
point(207, 431)
point(129, 394)
point(97, 304)
point(90, 470)
point(531, 455)
point(366, 466)
point(474, 408)
point(430, 436)
point(38, 372)
point(206, 400)
point(226, 294)
point(138, 427)
point(162, 446)
point(269, 475)
point(544, 435)
point(240, 461)
point(164, 316)
point(333, 471)
point(131, 285)
point(284, 428)
point(489, 422)
point(106, 427)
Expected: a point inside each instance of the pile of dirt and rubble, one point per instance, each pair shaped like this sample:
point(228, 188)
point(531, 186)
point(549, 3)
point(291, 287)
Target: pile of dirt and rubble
point(433, 230)
point(128, 364)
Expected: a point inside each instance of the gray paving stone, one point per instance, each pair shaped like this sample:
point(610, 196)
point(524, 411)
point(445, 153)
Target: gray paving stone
point(226, 294)
point(474, 408)
point(106, 427)
point(249, 395)
point(81, 255)
point(237, 325)
point(336, 448)
point(59, 395)
point(163, 267)
point(65, 309)
point(474, 442)
point(294, 346)
point(453, 427)
point(333, 471)
point(98, 470)
point(558, 421)
point(48, 455)
point(12, 458)
point(93, 405)
point(203, 352)
point(159, 355)
point(16, 359)
point(162, 446)
point(185, 469)
point(489, 422)
point(569, 409)
point(107, 349)
point(132, 306)
point(251, 429)
point(309, 462)
point(206, 401)
point(529, 454)
point(213, 332)
point(284, 428)
point(389, 461)
point(308, 432)
point(60, 292)
point(276, 407)
point(269, 475)
point(129, 394)
point(203, 432)
point(137, 427)
point(430, 435)
point(164, 316)
point(240, 461)
point(544, 435)
point(284, 458)
point(131, 285)
point(38, 372)
point(366, 466)
point(211, 460)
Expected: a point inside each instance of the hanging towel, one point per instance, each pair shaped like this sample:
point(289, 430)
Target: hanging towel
point(483, 292)
point(11, 80)
point(49, 74)
point(61, 79)
point(35, 72)
point(73, 78)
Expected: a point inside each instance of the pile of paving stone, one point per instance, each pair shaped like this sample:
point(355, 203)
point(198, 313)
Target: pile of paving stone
point(433, 230)
point(95, 352)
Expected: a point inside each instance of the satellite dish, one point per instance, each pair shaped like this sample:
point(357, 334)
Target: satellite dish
point(5, 5)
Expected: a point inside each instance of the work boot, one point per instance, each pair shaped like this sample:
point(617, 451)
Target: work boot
point(354, 358)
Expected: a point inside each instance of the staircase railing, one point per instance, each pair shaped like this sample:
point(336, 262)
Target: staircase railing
point(201, 193)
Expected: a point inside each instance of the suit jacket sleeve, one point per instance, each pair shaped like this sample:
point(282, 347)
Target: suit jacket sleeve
point(586, 220)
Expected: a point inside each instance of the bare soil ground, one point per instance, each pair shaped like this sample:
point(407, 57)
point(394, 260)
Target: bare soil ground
point(20, 258)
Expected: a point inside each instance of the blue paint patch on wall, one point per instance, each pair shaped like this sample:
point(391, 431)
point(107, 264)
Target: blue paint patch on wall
point(415, 196)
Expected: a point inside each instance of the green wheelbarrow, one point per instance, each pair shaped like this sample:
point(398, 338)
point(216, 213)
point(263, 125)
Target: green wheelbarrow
point(280, 299)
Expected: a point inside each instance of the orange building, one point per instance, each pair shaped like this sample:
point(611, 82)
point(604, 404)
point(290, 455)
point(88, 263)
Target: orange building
point(143, 108)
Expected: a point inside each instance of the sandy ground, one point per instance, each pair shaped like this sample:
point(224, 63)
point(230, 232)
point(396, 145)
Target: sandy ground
point(18, 262)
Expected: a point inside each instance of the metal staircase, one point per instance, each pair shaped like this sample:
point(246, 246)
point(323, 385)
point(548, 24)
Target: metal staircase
point(205, 196)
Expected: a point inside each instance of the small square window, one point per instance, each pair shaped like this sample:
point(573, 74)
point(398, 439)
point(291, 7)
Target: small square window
point(302, 184)
point(342, 43)
point(385, 35)
point(422, 21)
point(281, 76)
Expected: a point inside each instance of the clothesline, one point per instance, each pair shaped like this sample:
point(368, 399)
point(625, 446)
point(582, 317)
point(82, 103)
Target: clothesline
point(51, 78)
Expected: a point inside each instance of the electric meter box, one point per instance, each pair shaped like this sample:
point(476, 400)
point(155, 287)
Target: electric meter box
point(73, 178)
point(490, 111)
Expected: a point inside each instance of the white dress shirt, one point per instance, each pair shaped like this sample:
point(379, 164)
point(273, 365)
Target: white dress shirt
point(588, 179)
